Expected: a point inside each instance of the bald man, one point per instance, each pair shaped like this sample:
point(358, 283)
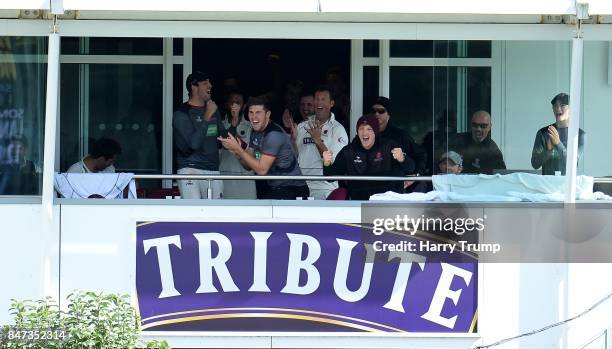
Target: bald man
point(480, 153)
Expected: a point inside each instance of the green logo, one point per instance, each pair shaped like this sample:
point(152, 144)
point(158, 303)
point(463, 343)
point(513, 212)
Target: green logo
point(554, 154)
point(257, 155)
point(211, 130)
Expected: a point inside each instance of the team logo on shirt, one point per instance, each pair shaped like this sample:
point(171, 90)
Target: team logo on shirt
point(357, 160)
point(340, 140)
point(212, 130)
point(308, 140)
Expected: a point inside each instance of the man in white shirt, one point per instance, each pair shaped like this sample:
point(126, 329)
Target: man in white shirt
point(321, 132)
point(101, 158)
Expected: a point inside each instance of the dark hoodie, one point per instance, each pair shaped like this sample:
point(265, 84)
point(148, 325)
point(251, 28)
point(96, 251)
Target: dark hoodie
point(354, 160)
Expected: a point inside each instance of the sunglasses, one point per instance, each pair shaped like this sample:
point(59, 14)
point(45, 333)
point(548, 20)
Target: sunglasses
point(378, 110)
point(479, 125)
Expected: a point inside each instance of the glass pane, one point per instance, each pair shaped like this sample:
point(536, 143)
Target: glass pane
point(370, 86)
point(123, 102)
point(430, 103)
point(595, 120)
point(478, 49)
point(69, 46)
point(411, 48)
point(371, 48)
point(178, 86)
point(22, 106)
point(177, 46)
point(535, 71)
point(440, 49)
point(112, 46)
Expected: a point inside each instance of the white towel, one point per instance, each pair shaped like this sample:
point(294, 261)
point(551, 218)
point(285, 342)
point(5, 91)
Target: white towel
point(442, 196)
point(84, 185)
point(516, 182)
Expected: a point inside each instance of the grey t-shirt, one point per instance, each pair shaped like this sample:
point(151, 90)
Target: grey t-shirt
point(275, 142)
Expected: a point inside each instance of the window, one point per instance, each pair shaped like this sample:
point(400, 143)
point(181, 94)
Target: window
point(22, 106)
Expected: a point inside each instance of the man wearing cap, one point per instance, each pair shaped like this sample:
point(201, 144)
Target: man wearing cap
point(369, 155)
point(450, 163)
point(320, 132)
point(550, 146)
point(196, 124)
point(480, 153)
point(381, 107)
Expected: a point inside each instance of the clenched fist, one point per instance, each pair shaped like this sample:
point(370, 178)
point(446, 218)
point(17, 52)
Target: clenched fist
point(398, 154)
point(327, 158)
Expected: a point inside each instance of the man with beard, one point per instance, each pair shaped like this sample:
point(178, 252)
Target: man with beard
point(196, 124)
point(480, 153)
point(381, 107)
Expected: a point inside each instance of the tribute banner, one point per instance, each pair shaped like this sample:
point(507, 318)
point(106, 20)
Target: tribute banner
point(295, 277)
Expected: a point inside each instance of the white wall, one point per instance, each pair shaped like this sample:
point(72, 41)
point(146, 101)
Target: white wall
point(29, 255)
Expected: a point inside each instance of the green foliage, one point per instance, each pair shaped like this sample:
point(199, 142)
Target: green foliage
point(92, 321)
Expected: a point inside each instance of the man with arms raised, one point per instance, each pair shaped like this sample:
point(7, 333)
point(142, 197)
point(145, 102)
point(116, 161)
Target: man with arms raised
point(269, 152)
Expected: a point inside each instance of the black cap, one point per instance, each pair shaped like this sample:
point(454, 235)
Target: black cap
point(563, 98)
point(196, 77)
point(384, 101)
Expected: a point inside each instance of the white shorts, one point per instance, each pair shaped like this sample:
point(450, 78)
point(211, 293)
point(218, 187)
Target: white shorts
point(195, 189)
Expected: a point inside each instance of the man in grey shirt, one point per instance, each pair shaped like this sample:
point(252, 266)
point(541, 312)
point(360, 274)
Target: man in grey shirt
point(196, 124)
point(550, 146)
point(269, 152)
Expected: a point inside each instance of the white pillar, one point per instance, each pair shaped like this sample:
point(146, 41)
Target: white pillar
point(50, 121)
point(575, 108)
point(168, 77)
point(49, 253)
